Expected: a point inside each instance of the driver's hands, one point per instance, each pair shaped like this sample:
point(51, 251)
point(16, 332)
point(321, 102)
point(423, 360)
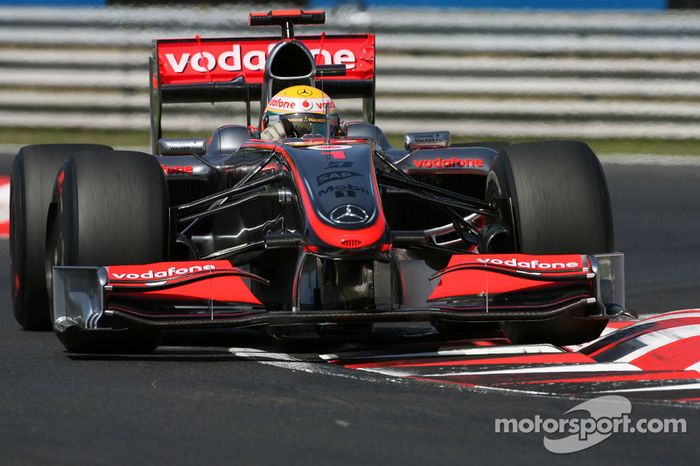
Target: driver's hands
point(278, 130)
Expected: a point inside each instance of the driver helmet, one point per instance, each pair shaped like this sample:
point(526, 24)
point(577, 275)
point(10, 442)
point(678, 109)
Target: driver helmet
point(307, 111)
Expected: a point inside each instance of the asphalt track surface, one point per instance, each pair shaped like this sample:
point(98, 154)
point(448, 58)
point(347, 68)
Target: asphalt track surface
point(203, 405)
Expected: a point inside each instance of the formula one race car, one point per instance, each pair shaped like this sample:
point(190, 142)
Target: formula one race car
point(326, 226)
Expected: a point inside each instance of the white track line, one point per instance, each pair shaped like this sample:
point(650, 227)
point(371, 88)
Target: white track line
point(565, 368)
point(690, 386)
point(651, 160)
point(510, 349)
point(289, 362)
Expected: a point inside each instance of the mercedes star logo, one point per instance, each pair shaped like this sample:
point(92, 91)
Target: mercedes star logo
point(348, 214)
point(303, 92)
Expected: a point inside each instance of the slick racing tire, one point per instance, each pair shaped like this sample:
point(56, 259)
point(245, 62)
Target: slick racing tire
point(110, 210)
point(33, 173)
point(559, 204)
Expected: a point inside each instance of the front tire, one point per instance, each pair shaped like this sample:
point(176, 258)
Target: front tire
point(559, 205)
point(33, 173)
point(108, 211)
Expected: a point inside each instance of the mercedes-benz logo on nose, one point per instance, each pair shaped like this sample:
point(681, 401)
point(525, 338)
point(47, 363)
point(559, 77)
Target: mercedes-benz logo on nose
point(303, 92)
point(348, 214)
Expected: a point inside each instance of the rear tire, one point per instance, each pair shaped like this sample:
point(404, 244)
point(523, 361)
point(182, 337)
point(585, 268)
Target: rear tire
point(560, 205)
point(33, 173)
point(108, 211)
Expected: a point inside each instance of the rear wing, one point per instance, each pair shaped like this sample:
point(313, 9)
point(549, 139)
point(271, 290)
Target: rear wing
point(233, 70)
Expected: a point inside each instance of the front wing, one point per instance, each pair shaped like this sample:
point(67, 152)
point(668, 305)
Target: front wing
point(211, 294)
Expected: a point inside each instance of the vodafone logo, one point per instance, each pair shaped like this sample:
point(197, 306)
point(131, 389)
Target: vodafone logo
point(169, 273)
point(252, 60)
point(533, 264)
point(449, 163)
point(287, 103)
point(203, 62)
point(177, 170)
point(282, 104)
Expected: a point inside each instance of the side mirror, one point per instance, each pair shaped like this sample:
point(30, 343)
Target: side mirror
point(433, 139)
point(182, 146)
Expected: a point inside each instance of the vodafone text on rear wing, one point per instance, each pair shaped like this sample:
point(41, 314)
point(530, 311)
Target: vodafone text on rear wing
point(247, 69)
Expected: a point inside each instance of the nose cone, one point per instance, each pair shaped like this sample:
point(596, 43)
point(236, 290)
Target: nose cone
point(340, 197)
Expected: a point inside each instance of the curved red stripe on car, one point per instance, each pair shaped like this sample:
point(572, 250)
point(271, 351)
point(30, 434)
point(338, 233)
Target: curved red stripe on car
point(219, 289)
point(225, 288)
point(475, 282)
point(557, 358)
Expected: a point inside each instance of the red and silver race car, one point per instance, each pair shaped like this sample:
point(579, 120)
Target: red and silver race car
point(327, 227)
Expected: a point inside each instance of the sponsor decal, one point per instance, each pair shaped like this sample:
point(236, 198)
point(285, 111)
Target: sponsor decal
point(348, 214)
point(198, 60)
point(169, 273)
point(533, 264)
point(453, 162)
point(177, 169)
point(291, 103)
point(335, 164)
point(424, 140)
point(429, 139)
point(281, 104)
point(344, 190)
point(302, 91)
point(334, 176)
point(230, 60)
point(254, 60)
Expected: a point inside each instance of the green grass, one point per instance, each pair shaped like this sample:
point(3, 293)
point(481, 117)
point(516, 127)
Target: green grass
point(23, 136)
point(117, 138)
point(605, 146)
point(646, 146)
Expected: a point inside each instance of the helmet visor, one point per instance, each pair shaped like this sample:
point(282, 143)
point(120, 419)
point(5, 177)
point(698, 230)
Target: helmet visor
point(309, 123)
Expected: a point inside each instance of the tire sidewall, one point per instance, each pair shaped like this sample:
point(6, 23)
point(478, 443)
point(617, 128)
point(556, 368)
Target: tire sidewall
point(18, 236)
point(500, 188)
